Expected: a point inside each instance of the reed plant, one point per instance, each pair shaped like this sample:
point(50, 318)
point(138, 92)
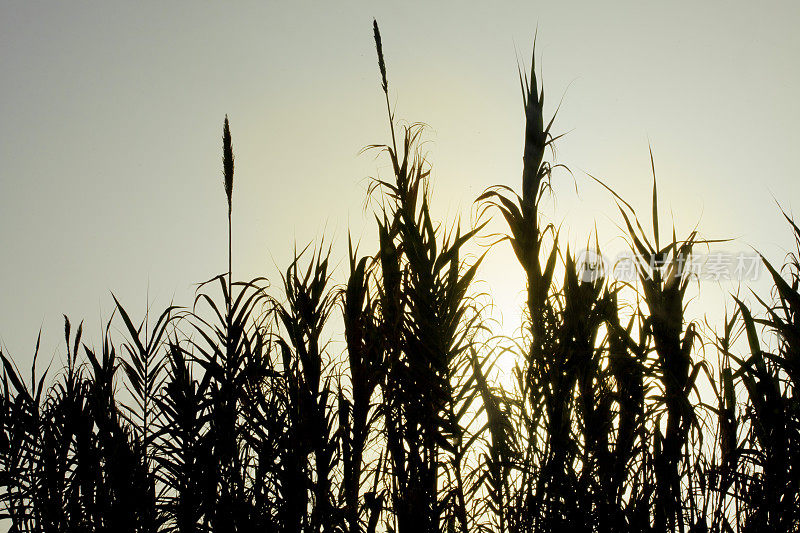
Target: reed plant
point(428, 321)
point(237, 413)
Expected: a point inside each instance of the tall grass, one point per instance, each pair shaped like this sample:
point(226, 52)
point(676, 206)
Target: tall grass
point(239, 414)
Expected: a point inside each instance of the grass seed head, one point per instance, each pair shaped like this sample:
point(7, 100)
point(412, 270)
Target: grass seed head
point(227, 161)
point(379, 47)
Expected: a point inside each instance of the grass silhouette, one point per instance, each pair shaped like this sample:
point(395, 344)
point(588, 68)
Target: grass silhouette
point(239, 418)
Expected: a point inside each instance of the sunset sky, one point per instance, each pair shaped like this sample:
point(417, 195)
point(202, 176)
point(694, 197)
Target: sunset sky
point(110, 140)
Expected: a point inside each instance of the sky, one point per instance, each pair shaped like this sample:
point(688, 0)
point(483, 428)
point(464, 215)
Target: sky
point(112, 113)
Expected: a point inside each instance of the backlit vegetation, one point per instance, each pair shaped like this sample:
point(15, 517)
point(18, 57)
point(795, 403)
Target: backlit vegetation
point(234, 413)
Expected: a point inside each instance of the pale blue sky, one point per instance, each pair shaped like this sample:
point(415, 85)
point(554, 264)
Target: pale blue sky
point(110, 149)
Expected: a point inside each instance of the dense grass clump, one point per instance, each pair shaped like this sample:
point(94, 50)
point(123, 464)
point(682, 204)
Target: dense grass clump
point(237, 416)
